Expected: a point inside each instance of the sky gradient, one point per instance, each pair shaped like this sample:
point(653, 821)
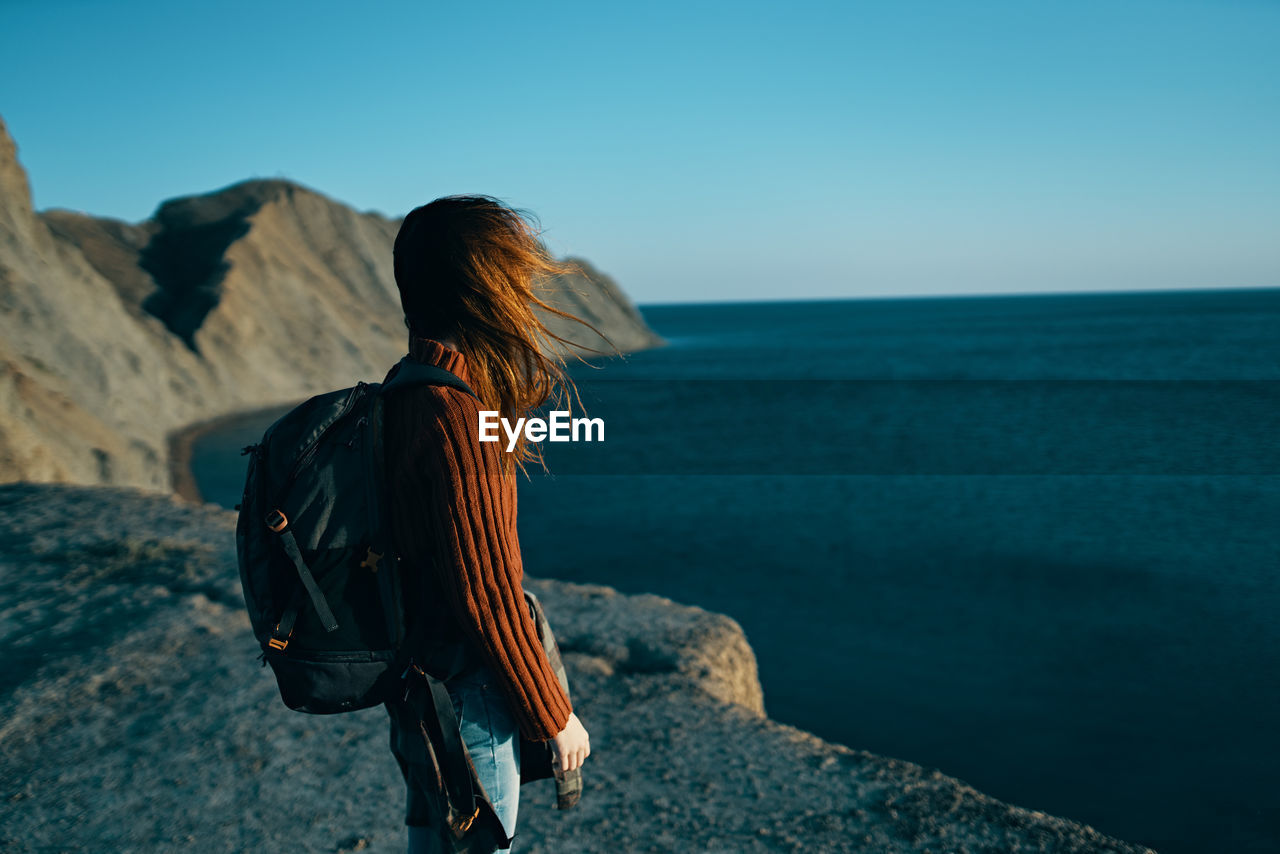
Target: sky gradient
point(701, 151)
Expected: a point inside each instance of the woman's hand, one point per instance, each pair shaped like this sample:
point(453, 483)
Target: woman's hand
point(571, 747)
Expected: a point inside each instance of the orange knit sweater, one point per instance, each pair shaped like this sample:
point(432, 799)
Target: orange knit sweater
point(452, 513)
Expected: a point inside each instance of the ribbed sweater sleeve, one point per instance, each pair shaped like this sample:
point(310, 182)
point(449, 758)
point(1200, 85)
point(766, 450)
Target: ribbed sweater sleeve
point(471, 520)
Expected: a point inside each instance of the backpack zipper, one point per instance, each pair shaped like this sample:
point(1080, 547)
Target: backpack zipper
point(355, 432)
point(311, 449)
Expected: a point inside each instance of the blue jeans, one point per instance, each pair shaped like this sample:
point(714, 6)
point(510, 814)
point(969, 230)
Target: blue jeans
point(488, 727)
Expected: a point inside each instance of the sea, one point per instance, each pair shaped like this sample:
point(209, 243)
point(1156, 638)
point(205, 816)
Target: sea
point(1029, 540)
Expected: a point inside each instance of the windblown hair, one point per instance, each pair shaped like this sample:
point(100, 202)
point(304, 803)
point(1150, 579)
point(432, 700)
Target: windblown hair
point(471, 269)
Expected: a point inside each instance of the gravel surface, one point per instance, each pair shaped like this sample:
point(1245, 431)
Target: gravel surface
point(134, 717)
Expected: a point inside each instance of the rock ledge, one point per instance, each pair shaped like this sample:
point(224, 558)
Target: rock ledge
point(134, 717)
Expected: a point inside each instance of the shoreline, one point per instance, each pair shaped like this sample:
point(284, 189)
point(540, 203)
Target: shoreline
point(180, 442)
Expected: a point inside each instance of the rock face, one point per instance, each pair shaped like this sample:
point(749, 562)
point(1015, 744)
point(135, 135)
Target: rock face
point(112, 335)
point(134, 717)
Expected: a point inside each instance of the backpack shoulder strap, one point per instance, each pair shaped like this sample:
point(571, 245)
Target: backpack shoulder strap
point(406, 372)
point(412, 372)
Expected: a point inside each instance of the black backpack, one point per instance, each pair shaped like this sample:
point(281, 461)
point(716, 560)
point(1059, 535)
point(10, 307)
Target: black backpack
point(321, 578)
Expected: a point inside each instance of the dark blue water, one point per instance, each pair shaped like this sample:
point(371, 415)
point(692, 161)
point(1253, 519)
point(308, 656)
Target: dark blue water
point(1030, 541)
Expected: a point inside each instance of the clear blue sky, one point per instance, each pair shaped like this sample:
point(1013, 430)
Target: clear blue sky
point(698, 150)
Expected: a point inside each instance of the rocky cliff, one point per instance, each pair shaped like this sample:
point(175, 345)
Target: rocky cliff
point(112, 334)
point(134, 718)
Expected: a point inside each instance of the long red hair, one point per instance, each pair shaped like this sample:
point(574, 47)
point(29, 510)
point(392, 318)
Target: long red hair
point(471, 269)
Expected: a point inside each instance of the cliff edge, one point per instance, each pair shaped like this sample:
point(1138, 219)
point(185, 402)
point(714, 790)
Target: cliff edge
point(134, 717)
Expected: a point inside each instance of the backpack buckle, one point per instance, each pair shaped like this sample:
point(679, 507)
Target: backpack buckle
point(462, 825)
point(278, 643)
point(371, 559)
point(277, 521)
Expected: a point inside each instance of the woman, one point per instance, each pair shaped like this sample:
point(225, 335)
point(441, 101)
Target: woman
point(467, 268)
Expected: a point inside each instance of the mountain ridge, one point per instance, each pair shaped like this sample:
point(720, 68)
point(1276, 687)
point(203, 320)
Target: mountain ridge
point(113, 335)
